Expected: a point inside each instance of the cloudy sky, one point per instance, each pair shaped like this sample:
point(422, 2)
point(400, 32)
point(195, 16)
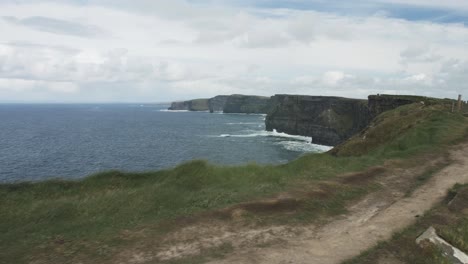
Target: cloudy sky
point(160, 50)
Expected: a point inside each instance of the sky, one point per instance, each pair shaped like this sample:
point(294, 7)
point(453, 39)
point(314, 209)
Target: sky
point(89, 51)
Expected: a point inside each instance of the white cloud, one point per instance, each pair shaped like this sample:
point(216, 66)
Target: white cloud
point(333, 78)
point(22, 85)
point(421, 53)
point(417, 78)
point(165, 51)
point(63, 87)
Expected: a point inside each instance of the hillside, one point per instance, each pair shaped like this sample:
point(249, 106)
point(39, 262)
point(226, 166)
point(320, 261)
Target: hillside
point(198, 212)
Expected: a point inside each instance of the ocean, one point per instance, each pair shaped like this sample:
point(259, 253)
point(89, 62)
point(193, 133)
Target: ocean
point(42, 141)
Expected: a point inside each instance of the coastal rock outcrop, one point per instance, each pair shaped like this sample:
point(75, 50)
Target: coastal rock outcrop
point(216, 104)
point(191, 105)
point(247, 104)
point(332, 120)
point(236, 103)
point(383, 102)
point(328, 120)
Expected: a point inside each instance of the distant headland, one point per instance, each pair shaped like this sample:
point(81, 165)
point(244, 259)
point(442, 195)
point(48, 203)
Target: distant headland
point(328, 120)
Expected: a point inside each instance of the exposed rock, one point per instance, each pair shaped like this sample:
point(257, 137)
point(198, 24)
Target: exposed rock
point(453, 254)
point(191, 105)
point(180, 105)
point(247, 104)
point(332, 120)
point(216, 104)
point(381, 103)
point(328, 120)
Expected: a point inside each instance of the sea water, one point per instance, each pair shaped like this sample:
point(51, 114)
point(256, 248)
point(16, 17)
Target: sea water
point(39, 142)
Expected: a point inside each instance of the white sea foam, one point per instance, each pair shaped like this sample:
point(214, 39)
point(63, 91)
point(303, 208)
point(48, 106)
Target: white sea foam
point(243, 123)
point(222, 113)
point(174, 111)
point(296, 143)
point(182, 111)
point(273, 133)
point(301, 138)
point(303, 146)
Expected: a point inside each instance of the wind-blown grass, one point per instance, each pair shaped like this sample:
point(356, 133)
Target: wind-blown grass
point(87, 216)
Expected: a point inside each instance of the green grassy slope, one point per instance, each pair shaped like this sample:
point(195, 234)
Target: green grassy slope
point(65, 221)
point(404, 131)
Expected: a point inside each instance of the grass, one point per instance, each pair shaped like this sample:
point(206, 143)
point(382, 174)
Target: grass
point(450, 221)
point(98, 207)
point(71, 221)
point(405, 131)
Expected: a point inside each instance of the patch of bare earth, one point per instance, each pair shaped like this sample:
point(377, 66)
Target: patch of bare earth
point(372, 219)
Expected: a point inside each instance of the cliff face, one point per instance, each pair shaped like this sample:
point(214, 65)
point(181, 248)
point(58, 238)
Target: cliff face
point(332, 120)
point(227, 103)
point(191, 105)
point(328, 120)
point(182, 105)
point(380, 103)
point(216, 104)
point(247, 104)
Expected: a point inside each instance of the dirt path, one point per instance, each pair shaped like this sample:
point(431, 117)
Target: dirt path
point(373, 219)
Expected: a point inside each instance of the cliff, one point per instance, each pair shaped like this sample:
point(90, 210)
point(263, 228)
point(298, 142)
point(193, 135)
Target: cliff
point(191, 105)
point(216, 104)
point(381, 103)
point(328, 120)
point(247, 104)
point(332, 120)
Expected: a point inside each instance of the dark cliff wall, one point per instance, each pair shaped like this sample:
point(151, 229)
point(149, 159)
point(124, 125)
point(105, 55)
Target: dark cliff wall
point(380, 103)
point(191, 105)
point(247, 104)
point(384, 102)
point(328, 120)
point(332, 120)
point(216, 104)
point(182, 105)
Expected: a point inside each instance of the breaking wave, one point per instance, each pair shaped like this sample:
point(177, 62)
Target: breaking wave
point(243, 123)
point(250, 114)
point(273, 133)
point(174, 111)
point(303, 147)
point(295, 143)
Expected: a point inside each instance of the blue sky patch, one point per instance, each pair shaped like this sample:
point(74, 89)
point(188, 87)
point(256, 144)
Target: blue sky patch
point(361, 8)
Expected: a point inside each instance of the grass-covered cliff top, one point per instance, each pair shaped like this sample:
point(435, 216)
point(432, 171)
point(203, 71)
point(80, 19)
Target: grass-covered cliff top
point(319, 97)
point(412, 98)
point(403, 131)
point(250, 96)
point(92, 220)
